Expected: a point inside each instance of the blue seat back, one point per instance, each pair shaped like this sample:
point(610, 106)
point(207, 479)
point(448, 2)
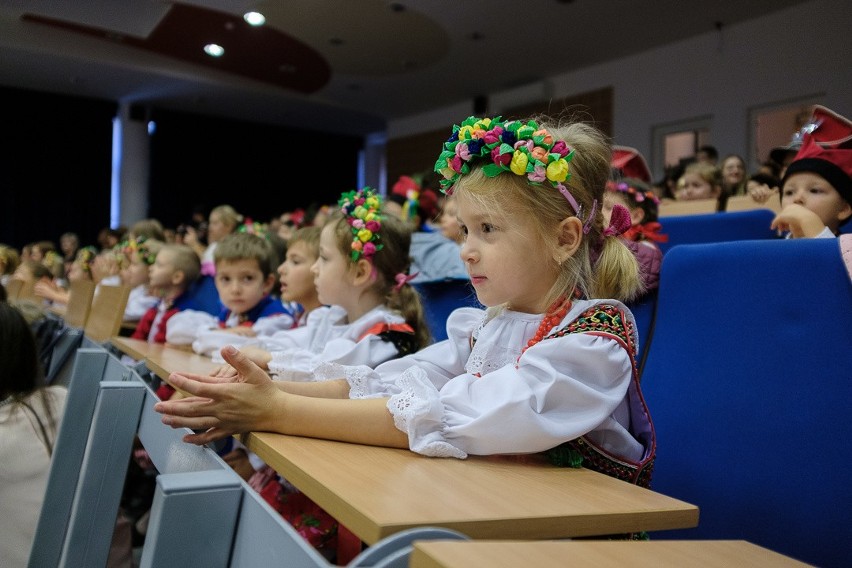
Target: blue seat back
point(440, 298)
point(204, 297)
point(717, 227)
point(748, 381)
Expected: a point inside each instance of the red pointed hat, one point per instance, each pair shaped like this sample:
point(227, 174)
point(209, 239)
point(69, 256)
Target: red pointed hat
point(827, 152)
point(631, 163)
point(825, 126)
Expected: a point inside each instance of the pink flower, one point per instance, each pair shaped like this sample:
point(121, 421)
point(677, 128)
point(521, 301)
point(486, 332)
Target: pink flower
point(501, 159)
point(560, 148)
point(462, 151)
point(374, 226)
point(457, 164)
point(369, 249)
point(357, 223)
point(538, 174)
point(493, 136)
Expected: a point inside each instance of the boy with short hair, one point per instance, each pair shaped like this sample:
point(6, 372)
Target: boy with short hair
point(175, 269)
point(244, 279)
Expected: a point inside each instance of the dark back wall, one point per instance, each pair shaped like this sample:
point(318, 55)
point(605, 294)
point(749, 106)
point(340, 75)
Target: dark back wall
point(261, 171)
point(55, 172)
point(56, 166)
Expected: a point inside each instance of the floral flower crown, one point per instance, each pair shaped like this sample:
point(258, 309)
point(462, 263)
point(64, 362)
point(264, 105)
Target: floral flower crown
point(253, 228)
point(135, 247)
point(85, 256)
point(521, 148)
point(362, 211)
point(638, 195)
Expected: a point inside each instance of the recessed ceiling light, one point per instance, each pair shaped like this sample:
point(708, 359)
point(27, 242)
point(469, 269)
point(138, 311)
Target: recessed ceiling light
point(214, 50)
point(254, 18)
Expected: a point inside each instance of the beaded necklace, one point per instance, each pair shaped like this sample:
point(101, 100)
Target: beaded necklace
point(551, 319)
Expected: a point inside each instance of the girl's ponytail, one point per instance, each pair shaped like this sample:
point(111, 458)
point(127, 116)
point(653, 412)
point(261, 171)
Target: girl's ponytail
point(406, 300)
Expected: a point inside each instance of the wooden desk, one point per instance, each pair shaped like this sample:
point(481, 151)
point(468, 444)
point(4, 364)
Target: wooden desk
point(376, 492)
point(601, 554)
point(163, 360)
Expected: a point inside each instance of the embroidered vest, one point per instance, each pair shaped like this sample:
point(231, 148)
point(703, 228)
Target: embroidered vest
point(607, 320)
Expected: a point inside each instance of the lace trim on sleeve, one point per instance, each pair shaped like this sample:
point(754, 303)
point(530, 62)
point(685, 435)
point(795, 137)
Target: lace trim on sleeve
point(359, 381)
point(326, 371)
point(417, 410)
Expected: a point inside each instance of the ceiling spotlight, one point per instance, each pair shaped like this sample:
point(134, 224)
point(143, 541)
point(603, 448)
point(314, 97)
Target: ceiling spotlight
point(254, 18)
point(214, 50)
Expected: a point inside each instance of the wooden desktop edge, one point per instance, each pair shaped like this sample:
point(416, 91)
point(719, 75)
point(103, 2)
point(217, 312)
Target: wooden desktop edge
point(295, 465)
point(546, 554)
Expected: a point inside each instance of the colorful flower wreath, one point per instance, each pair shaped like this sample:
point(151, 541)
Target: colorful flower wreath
point(253, 228)
point(362, 210)
point(85, 256)
point(135, 247)
point(638, 195)
point(521, 148)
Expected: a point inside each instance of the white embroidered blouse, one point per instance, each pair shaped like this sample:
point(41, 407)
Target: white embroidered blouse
point(472, 394)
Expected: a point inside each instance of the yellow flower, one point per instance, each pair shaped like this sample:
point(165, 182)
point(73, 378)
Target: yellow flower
point(364, 235)
point(557, 170)
point(519, 163)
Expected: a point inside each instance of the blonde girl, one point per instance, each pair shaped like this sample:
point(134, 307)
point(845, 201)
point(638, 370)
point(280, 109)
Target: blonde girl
point(548, 366)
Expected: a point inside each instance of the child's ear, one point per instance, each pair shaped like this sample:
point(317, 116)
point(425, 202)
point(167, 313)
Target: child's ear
point(637, 215)
point(569, 236)
point(362, 272)
point(269, 283)
point(845, 212)
point(178, 277)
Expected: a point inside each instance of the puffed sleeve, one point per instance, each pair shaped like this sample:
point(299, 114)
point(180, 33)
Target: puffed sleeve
point(562, 388)
point(297, 364)
point(185, 326)
point(270, 325)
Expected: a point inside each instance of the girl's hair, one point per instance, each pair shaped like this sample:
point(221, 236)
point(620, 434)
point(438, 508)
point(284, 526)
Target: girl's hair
point(37, 270)
point(54, 263)
point(246, 246)
point(21, 374)
point(638, 194)
point(20, 370)
point(185, 260)
point(601, 267)
point(9, 259)
point(44, 246)
point(308, 235)
point(709, 173)
point(392, 259)
point(228, 215)
point(149, 229)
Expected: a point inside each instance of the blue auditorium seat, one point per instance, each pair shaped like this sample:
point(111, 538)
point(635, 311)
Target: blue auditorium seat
point(748, 380)
point(717, 227)
point(440, 298)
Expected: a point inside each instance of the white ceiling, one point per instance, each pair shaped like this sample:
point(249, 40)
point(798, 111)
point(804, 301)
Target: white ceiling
point(386, 63)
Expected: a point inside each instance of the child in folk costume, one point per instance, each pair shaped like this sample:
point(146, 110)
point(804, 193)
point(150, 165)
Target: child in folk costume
point(549, 365)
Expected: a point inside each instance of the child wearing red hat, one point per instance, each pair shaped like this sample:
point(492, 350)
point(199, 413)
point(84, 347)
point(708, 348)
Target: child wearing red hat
point(816, 191)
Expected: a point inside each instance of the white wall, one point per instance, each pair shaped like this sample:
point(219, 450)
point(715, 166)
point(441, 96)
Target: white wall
point(796, 53)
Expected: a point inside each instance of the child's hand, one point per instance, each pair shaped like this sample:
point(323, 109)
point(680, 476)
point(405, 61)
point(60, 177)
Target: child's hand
point(762, 193)
point(45, 289)
point(220, 409)
point(260, 357)
point(801, 222)
point(224, 372)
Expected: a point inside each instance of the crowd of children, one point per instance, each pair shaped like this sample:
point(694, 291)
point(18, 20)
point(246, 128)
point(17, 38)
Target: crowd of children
point(557, 231)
